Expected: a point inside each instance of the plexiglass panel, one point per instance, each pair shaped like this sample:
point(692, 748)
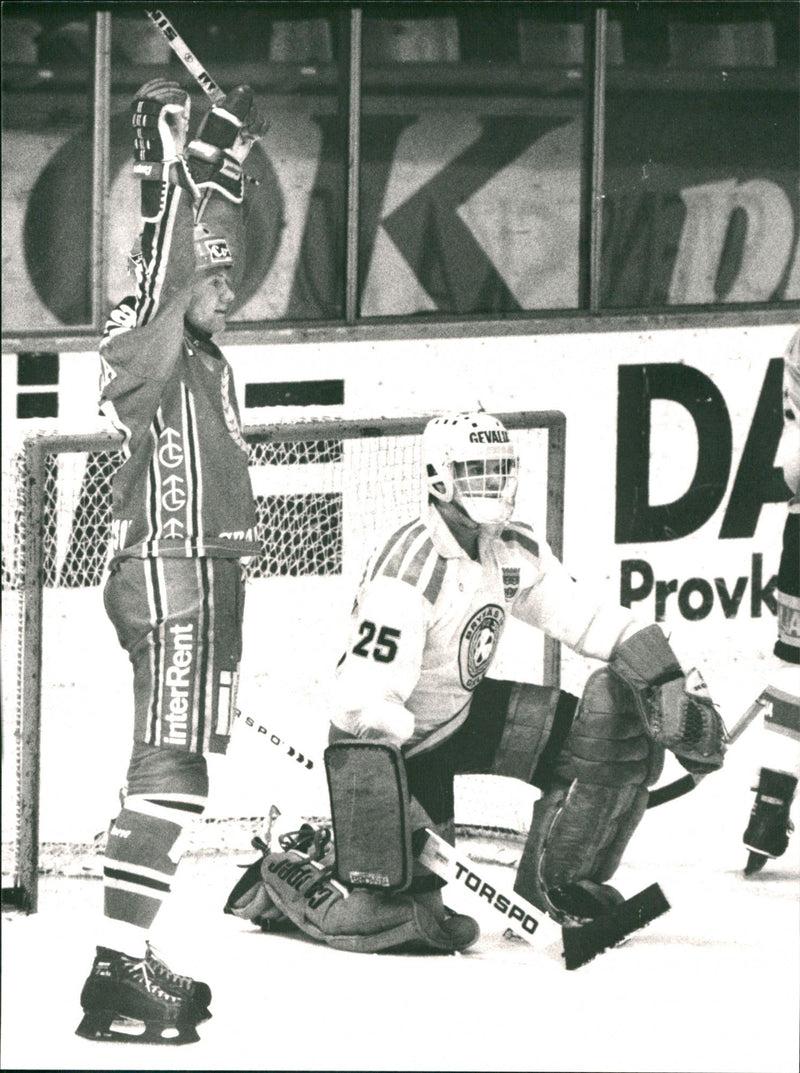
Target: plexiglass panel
point(48, 63)
point(702, 169)
point(471, 141)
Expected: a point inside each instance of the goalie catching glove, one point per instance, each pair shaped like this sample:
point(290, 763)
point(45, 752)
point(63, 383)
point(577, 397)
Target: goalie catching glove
point(224, 139)
point(676, 709)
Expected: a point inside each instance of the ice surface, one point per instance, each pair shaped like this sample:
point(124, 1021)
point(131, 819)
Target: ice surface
point(713, 986)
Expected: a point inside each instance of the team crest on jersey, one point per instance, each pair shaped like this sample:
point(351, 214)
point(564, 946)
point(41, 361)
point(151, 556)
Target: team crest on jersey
point(511, 581)
point(478, 642)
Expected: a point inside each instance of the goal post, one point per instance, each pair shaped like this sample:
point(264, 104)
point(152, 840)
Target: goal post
point(326, 489)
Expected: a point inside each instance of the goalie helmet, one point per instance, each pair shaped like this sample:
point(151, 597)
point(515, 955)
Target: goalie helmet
point(469, 459)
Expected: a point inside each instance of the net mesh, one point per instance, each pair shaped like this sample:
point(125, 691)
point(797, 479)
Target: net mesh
point(300, 506)
point(324, 494)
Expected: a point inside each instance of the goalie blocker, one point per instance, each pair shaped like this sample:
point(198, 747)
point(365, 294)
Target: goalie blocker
point(369, 795)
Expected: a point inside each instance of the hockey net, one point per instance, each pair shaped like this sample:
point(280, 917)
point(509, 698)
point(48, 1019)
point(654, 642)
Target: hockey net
point(326, 491)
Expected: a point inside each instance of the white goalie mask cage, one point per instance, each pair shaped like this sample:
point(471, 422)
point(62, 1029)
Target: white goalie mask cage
point(468, 458)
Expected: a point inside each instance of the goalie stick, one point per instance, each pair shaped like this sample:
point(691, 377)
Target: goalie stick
point(444, 861)
point(276, 740)
point(659, 796)
point(582, 943)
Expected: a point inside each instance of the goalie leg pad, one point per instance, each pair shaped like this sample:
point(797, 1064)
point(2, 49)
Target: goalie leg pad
point(579, 832)
point(250, 900)
point(595, 796)
point(369, 797)
point(607, 744)
point(361, 921)
point(530, 717)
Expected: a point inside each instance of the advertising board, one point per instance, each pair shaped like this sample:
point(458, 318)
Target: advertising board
point(673, 504)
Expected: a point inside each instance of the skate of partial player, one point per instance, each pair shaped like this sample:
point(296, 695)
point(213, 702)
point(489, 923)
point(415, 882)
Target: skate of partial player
point(183, 522)
point(415, 707)
point(767, 833)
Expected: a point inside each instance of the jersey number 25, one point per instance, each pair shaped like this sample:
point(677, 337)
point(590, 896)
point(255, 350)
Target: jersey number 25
point(385, 647)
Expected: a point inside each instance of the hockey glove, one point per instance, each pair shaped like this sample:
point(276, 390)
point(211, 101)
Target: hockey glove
point(676, 709)
point(160, 121)
point(224, 139)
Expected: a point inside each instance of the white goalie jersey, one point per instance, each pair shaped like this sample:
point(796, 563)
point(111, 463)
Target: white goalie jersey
point(427, 621)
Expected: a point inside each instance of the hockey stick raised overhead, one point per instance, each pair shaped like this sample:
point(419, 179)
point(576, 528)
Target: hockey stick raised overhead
point(185, 55)
point(191, 63)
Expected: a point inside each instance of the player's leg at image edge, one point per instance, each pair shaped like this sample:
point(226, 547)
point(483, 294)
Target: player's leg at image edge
point(769, 827)
point(767, 833)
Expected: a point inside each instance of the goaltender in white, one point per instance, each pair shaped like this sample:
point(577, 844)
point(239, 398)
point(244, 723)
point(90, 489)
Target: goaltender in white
point(445, 584)
point(427, 619)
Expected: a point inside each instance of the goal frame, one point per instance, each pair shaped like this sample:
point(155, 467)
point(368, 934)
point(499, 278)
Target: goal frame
point(37, 447)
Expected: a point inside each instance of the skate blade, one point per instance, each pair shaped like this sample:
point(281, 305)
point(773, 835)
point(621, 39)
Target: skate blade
point(109, 1027)
point(755, 862)
point(202, 1013)
point(614, 927)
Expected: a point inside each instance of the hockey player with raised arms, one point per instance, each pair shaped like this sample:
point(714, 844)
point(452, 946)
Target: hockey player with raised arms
point(767, 833)
point(414, 707)
point(183, 521)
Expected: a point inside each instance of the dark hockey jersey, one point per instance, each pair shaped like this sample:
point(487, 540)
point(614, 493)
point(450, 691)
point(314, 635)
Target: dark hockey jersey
point(787, 593)
point(184, 487)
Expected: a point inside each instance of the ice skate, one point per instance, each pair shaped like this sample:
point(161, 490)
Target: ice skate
point(198, 991)
point(125, 1001)
point(601, 918)
point(767, 832)
point(584, 900)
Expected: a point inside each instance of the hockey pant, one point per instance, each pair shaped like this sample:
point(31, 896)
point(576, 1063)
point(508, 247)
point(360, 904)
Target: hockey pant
point(180, 622)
